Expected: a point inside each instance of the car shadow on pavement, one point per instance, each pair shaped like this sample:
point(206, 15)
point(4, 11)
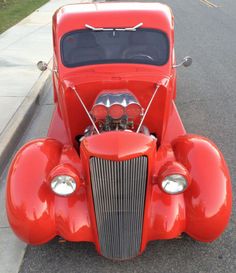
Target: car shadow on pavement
point(177, 255)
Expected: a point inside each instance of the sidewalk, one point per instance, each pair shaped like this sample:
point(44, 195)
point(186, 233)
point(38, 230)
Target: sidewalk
point(21, 47)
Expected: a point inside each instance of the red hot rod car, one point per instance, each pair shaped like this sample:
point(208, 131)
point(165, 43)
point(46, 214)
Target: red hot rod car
point(117, 167)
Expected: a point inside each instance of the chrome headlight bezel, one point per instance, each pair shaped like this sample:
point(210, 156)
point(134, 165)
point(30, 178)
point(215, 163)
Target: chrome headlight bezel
point(173, 178)
point(63, 180)
point(174, 184)
point(63, 185)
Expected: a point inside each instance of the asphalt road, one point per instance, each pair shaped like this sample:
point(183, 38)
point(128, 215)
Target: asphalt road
point(207, 104)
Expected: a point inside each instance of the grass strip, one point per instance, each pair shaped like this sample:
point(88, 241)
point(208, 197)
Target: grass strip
point(12, 11)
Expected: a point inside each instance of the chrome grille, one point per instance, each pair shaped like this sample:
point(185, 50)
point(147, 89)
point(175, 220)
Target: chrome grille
point(119, 194)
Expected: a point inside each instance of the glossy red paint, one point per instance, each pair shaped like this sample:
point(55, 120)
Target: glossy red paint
point(37, 215)
point(209, 200)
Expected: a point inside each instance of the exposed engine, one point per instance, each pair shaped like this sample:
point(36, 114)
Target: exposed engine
point(116, 110)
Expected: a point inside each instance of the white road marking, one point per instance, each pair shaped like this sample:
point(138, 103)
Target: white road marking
point(209, 4)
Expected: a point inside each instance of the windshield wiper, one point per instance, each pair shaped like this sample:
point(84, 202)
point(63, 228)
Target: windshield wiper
point(114, 29)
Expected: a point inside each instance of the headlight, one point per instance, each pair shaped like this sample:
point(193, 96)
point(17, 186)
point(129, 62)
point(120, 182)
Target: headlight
point(63, 185)
point(174, 184)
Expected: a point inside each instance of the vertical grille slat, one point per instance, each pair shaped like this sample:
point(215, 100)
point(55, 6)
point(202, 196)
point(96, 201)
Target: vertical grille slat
point(119, 195)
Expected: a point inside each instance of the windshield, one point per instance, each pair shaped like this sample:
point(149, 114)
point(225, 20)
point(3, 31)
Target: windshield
point(144, 46)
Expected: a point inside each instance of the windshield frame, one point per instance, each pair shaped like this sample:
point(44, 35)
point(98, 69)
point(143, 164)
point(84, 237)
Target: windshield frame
point(114, 61)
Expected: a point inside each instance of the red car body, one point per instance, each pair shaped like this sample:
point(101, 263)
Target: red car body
point(37, 214)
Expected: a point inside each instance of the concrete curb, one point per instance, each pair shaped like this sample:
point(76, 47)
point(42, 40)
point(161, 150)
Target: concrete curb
point(19, 122)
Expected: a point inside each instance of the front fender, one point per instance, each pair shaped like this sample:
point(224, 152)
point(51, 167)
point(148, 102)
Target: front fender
point(29, 201)
point(34, 212)
point(208, 200)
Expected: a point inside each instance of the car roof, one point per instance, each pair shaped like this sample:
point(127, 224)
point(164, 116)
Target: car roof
point(113, 15)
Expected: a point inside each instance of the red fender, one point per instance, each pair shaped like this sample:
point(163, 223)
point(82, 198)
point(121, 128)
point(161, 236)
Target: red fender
point(208, 200)
point(29, 203)
point(34, 212)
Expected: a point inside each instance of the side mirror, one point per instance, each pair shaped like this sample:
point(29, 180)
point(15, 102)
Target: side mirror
point(42, 66)
point(187, 61)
